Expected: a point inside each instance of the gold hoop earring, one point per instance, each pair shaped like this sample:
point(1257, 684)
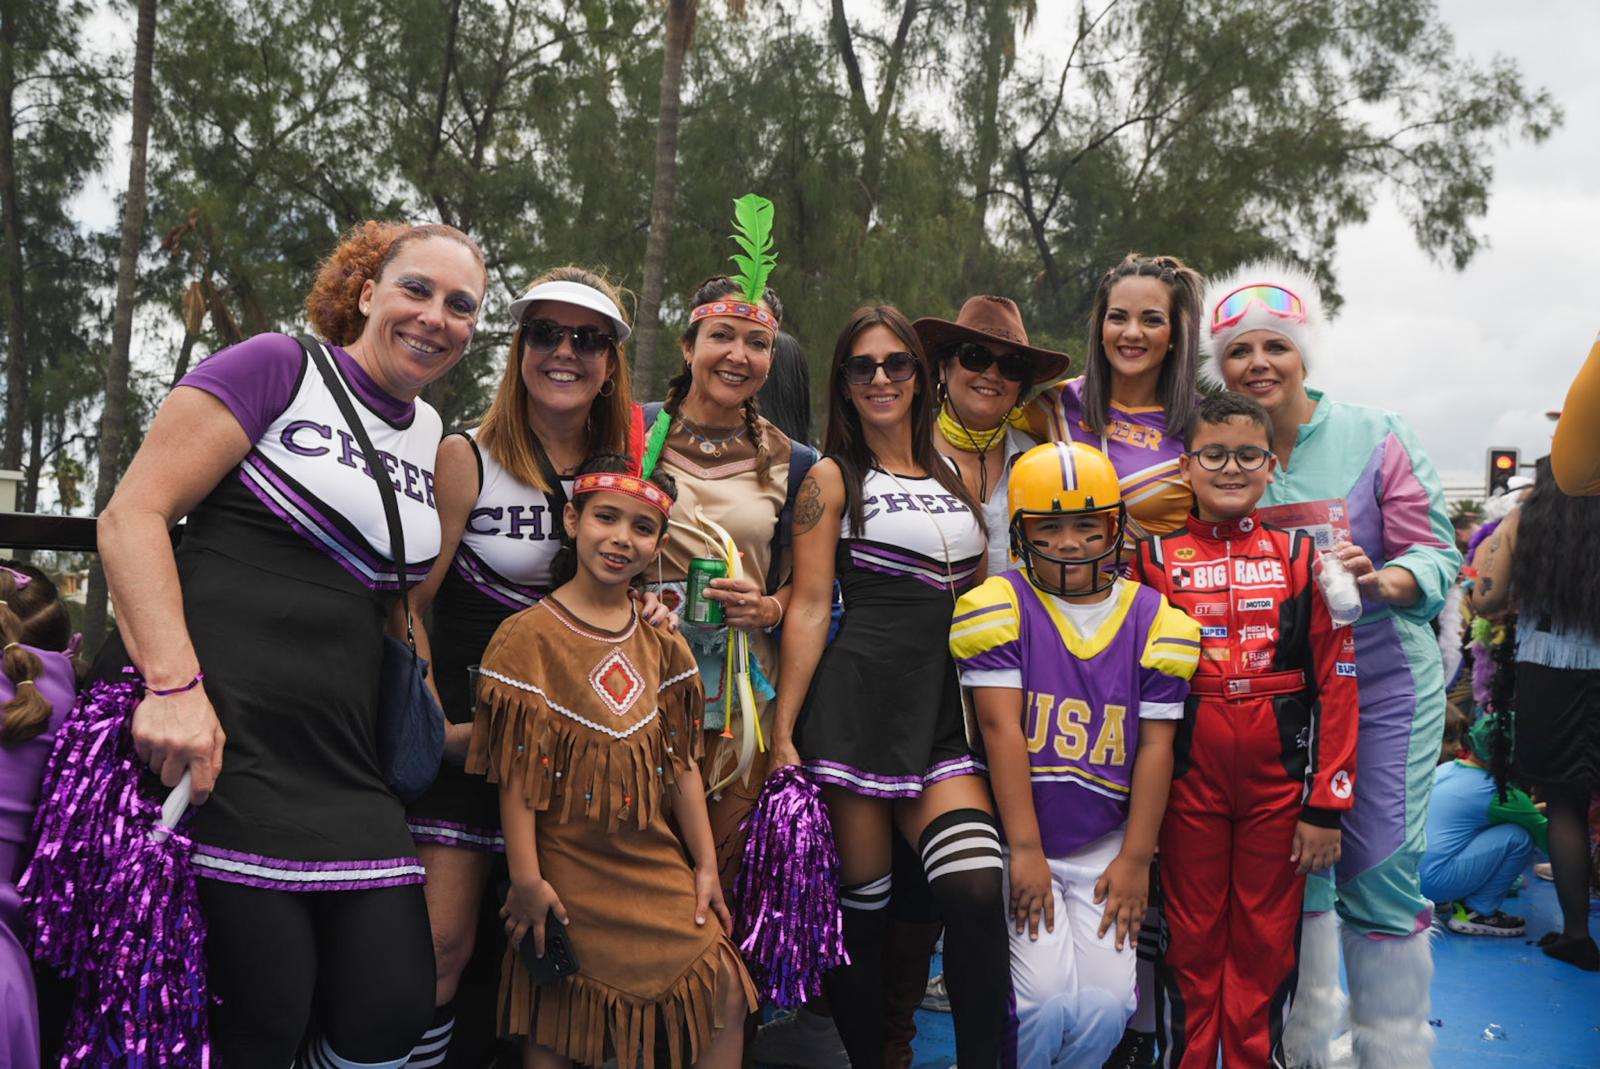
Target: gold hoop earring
point(608, 388)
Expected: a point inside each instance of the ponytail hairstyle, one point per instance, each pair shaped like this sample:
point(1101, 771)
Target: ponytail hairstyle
point(565, 564)
point(846, 441)
point(713, 289)
point(504, 430)
point(30, 612)
point(1177, 387)
point(364, 252)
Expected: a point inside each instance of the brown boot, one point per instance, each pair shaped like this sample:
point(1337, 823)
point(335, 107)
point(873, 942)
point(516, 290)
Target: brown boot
point(907, 951)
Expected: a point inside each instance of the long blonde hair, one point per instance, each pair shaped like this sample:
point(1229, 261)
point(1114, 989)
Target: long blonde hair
point(504, 430)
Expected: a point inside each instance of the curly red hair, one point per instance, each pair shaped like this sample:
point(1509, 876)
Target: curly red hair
point(333, 305)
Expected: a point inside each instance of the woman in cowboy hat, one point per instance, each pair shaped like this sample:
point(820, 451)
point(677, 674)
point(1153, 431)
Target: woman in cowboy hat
point(986, 368)
point(1137, 390)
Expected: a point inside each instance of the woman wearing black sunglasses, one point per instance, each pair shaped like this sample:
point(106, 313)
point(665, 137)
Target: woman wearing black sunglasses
point(876, 716)
point(986, 368)
point(501, 486)
point(1138, 388)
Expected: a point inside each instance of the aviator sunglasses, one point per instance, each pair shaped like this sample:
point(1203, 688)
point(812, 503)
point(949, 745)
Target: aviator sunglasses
point(977, 358)
point(1215, 457)
point(861, 370)
point(544, 336)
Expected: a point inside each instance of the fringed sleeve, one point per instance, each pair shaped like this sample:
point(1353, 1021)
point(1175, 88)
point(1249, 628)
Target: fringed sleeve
point(566, 760)
point(682, 700)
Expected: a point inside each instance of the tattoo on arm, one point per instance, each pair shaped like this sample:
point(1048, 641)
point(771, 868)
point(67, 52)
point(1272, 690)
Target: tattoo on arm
point(1486, 584)
point(808, 505)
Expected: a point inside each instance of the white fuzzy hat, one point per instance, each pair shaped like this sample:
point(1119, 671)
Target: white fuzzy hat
point(1257, 316)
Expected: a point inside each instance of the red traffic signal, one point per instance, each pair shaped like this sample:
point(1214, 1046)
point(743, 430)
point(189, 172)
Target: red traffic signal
point(1502, 466)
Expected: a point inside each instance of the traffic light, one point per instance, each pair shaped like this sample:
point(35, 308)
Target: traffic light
point(1502, 466)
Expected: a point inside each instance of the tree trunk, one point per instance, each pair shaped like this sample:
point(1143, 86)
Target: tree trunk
point(996, 32)
point(11, 294)
point(680, 30)
point(114, 417)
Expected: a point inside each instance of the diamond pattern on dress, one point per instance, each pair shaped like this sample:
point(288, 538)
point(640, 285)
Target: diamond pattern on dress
point(617, 682)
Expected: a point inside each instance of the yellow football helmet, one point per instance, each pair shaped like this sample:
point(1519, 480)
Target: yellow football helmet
point(1065, 479)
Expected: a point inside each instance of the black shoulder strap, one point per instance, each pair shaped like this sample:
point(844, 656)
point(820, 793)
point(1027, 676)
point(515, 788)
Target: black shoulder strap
point(375, 467)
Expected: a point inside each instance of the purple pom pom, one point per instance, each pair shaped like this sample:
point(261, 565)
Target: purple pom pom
point(788, 924)
point(111, 909)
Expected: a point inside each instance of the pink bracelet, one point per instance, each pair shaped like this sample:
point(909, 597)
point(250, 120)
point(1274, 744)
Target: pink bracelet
point(193, 683)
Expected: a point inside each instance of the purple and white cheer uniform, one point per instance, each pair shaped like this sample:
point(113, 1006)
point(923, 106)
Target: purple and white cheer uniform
point(287, 581)
point(883, 716)
point(501, 567)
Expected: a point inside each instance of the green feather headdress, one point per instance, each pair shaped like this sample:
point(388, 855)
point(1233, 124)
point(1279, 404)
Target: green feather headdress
point(752, 232)
point(752, 222)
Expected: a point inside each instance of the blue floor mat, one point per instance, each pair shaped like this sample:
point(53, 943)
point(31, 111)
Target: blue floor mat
point(1547, 1012)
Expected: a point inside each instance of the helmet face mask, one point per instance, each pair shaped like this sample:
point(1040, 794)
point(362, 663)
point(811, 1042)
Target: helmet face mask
point(1066, 480)
point(1032, 556)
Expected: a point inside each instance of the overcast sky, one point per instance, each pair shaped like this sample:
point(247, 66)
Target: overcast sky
point(1472, 359)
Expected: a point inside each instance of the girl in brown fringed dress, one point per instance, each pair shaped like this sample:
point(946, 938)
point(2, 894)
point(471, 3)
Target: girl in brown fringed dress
point(589, 720)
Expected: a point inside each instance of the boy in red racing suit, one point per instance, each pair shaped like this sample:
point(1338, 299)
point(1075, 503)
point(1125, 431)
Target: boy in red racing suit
point(1265, 755)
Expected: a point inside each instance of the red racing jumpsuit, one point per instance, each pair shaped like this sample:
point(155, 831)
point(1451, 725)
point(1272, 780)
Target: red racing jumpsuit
point(1268, 739)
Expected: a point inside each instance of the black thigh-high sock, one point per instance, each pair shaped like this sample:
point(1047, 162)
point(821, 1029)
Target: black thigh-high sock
point(961, 855)
point(855, 991)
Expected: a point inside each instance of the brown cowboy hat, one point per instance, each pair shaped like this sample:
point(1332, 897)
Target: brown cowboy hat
point(986, 320)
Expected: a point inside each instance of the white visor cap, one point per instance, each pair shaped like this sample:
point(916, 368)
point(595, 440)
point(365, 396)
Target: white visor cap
point(574, 293)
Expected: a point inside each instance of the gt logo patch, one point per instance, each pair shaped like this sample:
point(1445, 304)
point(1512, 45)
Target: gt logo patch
point(1344, 668)
point(1341, 785)
point(1210, 608)
point(1183, 553)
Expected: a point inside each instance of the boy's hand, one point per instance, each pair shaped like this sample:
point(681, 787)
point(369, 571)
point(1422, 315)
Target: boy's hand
point(1314, 848)
point(708, 897)
point(526, 907)
point(1031, 895)
point(1124, 887)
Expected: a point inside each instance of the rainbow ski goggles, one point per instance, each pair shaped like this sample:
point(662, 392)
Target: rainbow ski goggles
point(1275, 299)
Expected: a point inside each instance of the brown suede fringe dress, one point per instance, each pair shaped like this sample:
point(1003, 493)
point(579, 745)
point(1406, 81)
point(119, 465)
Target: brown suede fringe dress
point(592, 727)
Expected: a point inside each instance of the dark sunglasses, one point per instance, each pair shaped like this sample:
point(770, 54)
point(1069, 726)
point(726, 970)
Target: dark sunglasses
point(1215, 457)
point(861, 370)
point(977, 358)
point(544, 336)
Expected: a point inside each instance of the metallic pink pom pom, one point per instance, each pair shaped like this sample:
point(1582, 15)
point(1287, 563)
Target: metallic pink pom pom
point(788, 923)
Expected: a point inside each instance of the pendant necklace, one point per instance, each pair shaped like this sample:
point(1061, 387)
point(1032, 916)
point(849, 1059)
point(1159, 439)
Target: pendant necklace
point(707, 444)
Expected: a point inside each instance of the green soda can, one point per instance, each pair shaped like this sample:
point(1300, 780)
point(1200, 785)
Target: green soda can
point(700, 609)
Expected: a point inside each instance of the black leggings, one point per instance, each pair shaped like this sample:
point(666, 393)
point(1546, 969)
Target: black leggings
point(359, 964)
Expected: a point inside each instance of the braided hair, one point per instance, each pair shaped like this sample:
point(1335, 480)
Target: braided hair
point(1176, 388)
point(712, 289)
point(32, 613)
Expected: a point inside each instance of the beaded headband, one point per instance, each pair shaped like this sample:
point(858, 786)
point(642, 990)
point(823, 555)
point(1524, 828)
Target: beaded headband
point(617, 483)
point(739, 309)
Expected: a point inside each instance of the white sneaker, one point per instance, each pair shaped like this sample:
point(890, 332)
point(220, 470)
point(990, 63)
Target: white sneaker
point(802, 1040)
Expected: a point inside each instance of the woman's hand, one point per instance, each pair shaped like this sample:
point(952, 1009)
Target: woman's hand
point(1315, 848)
point(745, 604)
point(525, 909)
point(457, 739)
point(654, 610)
point(180, 731)
point(1031, 895)
point(1124, 887)
point(783, 754)
point(708, 898)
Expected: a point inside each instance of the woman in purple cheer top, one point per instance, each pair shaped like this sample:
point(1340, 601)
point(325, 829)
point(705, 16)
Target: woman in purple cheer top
point(261, 639)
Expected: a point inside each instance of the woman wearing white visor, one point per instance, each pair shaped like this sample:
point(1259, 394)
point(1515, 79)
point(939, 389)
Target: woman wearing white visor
point(501, 487)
